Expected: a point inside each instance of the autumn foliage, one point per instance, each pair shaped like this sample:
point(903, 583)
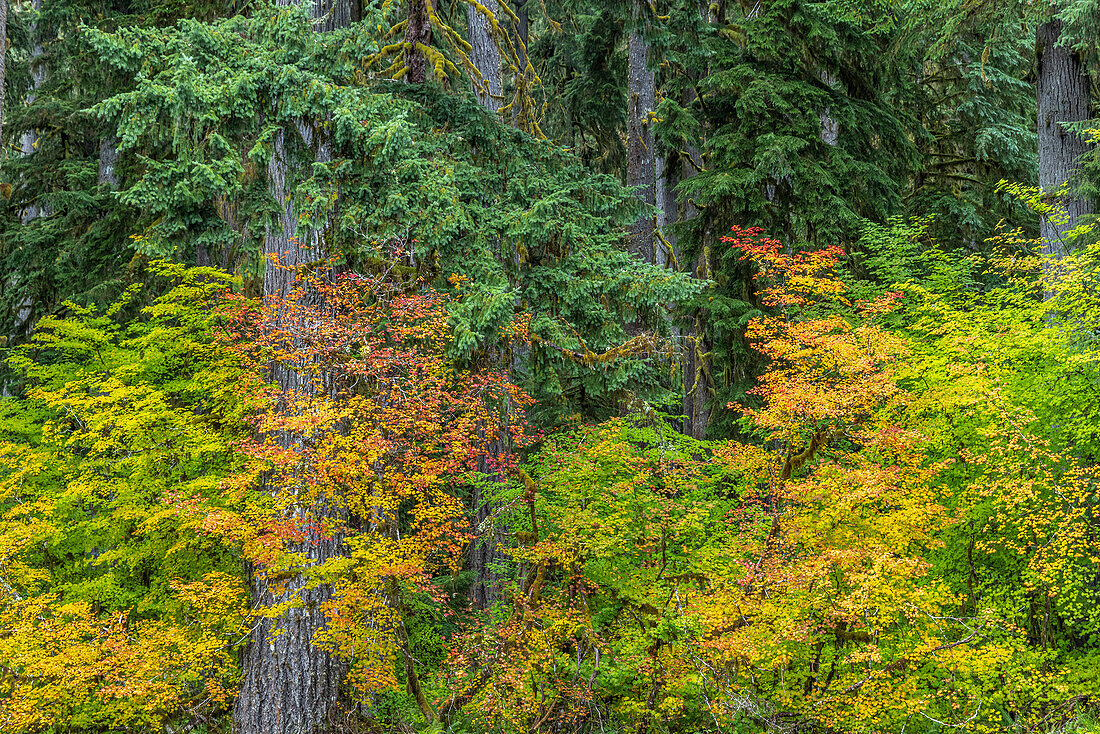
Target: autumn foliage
point(823, 573)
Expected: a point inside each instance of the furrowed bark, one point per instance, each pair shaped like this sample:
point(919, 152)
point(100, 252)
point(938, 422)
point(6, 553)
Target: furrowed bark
point(487, 549)
point(522, 29)
point(24, 315)
point(418, 32)
point(698, 378)
point(108, 162)
point(830, 127)
point(1063, 96)
point(486, 56)
point(290, 686)
point(29, 141)
point(334, 14)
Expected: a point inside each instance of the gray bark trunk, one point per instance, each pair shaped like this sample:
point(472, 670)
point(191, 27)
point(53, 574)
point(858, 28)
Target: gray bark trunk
point(698, 378)
point(520, 29)
point(698, 382)
point(487, 549)
point(290, 686)
point(333, 14)
point(24, 315)
point(641, 166)
point(1063, 96)
point(830, 127)
point(668, 209)
point(30, 137)
point(418, 30)
point(485, 56)
point(108, 162)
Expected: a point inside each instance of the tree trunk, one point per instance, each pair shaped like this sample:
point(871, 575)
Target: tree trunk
point(486, 56)
point(698, 377)
point(698, 380)
point(290, 686)
point(1063, 96)
point(30, 137)
point(417, 31)
point(522, 105)
point(24, 315)
point(666, 177)
point(108, 162)
point(830, 127)
point(334, 14)
point(640, 153)
point(522, 30)
point(487, 548)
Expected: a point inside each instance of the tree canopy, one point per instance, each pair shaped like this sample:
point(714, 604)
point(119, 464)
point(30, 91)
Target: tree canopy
point(565, 366)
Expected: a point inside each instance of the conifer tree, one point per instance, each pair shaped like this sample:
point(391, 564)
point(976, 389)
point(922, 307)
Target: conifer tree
point(290, 683)
point(57, 234)
point(641, 151)
point(485, 55)
point(974, 99)
point(559, 176)
point(763, 86)
point(382, 173)
point(1063, 100)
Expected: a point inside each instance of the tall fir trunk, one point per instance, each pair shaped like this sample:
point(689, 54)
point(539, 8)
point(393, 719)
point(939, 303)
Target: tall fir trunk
point(830, 126)
point(418, 31)
point(291, 686)
point(29, 141)
point(698, 373)
point(24, 315)
point(487, 548)
point(108, 162)
point(486, 56)
point(698, 376)
point(522, 107)
point(665, 179)
point(335, 14)
point(641, 157)
point(3, 82)
point(1063, 96)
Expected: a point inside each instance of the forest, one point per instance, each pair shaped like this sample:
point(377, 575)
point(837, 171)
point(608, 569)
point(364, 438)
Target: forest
point(550, 366)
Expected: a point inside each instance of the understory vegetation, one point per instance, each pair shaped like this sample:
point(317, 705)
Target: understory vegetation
point(601, 366)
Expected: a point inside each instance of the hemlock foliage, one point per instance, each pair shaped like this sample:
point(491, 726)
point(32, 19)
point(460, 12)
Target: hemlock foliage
point(825, 460)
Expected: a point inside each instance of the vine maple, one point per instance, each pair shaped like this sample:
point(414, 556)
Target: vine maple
point(116, 612)
point(387, 437)
point(702, 583)
point(850, 569)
